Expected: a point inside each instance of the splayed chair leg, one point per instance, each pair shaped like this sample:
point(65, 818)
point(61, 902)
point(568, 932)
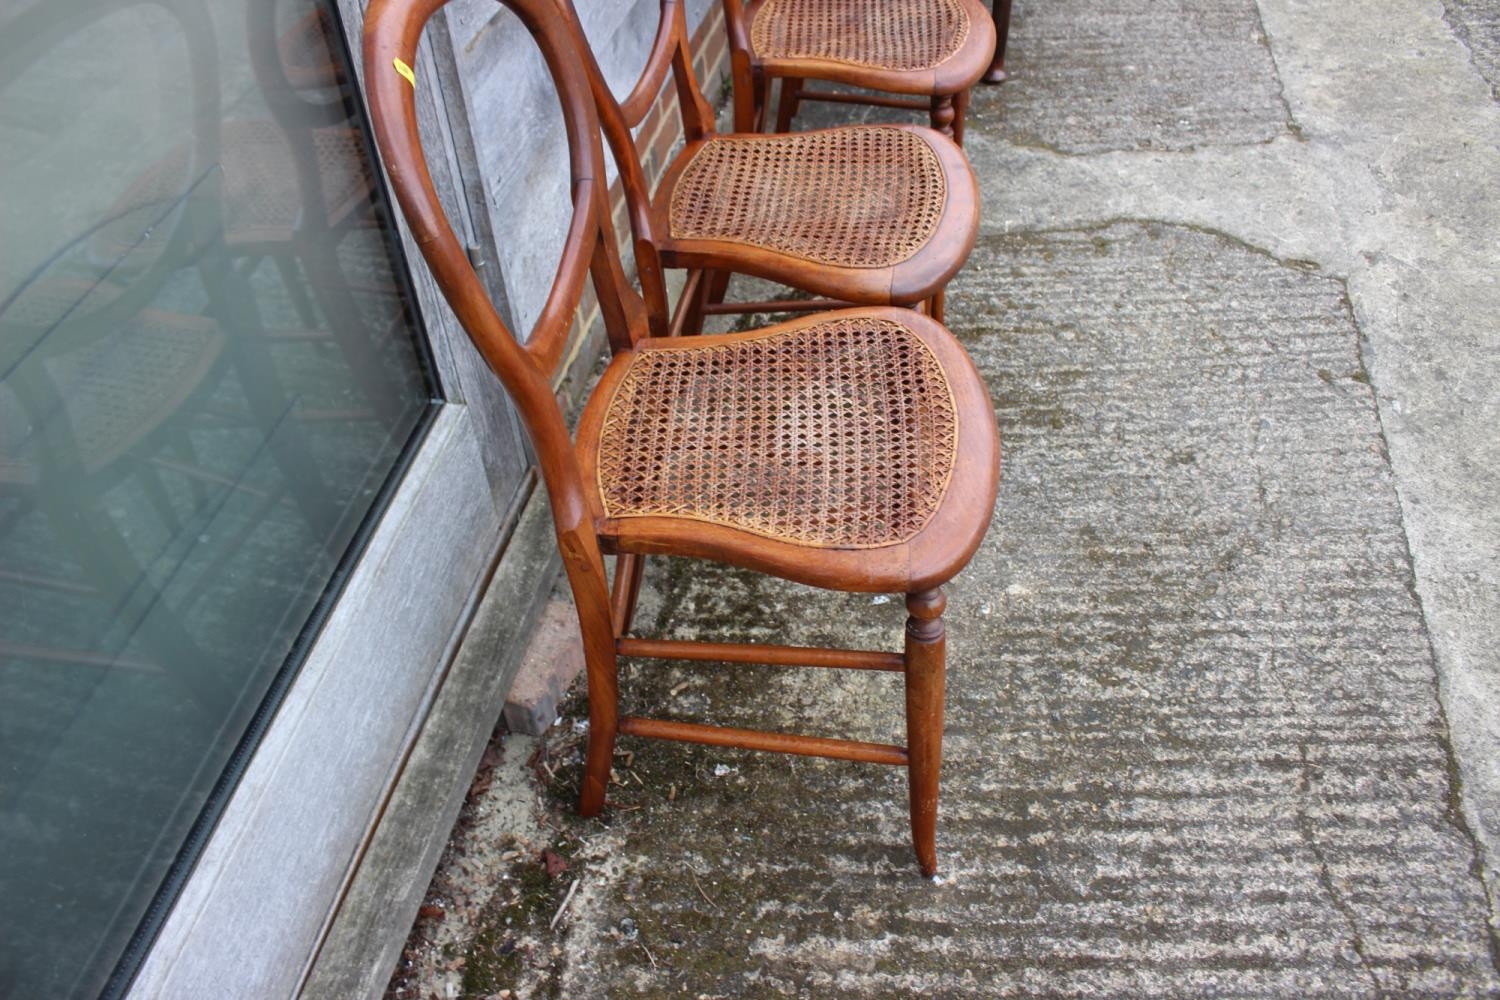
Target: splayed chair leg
point(924, 718)
point(626, 592)
point(604, 724)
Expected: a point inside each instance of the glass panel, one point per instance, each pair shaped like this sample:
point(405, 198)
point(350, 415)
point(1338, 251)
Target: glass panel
point(209, 371)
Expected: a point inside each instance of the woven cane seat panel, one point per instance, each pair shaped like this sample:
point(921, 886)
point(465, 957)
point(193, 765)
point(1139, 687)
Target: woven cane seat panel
point(862, 196)
point(837, 435)
point(903, 35)
point(124, 384)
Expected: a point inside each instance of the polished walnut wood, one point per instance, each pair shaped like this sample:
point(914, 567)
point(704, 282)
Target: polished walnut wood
point(755, 739)
point(743, 652)
point(854, 450)
point(873, 215)
point(928, 52)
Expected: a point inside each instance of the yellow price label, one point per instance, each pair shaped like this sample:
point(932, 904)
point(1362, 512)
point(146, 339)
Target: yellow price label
point(406, 72)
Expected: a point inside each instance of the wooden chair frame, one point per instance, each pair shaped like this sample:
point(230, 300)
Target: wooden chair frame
point(942, 92)
point(392, 32)
point(917, 282)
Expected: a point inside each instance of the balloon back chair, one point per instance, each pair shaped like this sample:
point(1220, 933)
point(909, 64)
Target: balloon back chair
point(823, 450)
point(864, 214)
point(922, 55)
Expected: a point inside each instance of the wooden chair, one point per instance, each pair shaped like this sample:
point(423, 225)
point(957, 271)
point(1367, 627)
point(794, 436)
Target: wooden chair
point(869, 214)
point(927, 52)
point(823, 450)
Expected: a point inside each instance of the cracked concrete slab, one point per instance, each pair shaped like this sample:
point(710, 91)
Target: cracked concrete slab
point(1224, 715)
point(1194, 741)
point(1388, 183)
point(1137, 74)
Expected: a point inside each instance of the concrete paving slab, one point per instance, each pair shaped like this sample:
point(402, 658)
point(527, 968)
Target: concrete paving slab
point(1225, 707)
point(1194, 738)
point(1387, 182)
point(1138, 74)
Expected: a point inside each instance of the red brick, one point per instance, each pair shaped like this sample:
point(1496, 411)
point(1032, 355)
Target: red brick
point(554, 658)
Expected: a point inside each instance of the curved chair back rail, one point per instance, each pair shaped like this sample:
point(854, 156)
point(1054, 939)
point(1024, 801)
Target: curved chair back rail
point(669, 54)
point(392, 31)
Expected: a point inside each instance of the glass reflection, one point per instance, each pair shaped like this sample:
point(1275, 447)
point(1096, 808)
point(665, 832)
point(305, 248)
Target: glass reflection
point(208, 370)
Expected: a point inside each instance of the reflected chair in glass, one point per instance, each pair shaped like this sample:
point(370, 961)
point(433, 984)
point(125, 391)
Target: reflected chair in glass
point(96, 401)
point(865, 214)
point(102, 382)
point(295, 189)
point(823, 450)
point(927, 53)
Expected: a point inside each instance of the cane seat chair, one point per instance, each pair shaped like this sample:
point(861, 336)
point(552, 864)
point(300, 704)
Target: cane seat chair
point(868, 215)
point(854, 450)
point(927, 52)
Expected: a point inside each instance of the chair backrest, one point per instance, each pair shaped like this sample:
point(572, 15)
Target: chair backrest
point(670, 52)
point(392, 31)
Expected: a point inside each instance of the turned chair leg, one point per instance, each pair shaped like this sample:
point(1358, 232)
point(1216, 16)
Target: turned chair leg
point(762, 92)
point(786, 108)
point(943, 114)
point(924, 718)
point(934, 306)
point(960, 115)
point(715, 287)
point(748, 93)
point(712, 287)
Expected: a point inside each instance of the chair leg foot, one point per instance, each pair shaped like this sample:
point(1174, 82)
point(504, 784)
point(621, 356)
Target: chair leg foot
point(604, 726)
point(596, 765)
point(1000, 10)
point(925, 647)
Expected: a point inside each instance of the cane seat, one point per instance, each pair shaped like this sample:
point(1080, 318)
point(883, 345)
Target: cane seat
point(838, 433)
point(897, 35)
point(881, 212)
